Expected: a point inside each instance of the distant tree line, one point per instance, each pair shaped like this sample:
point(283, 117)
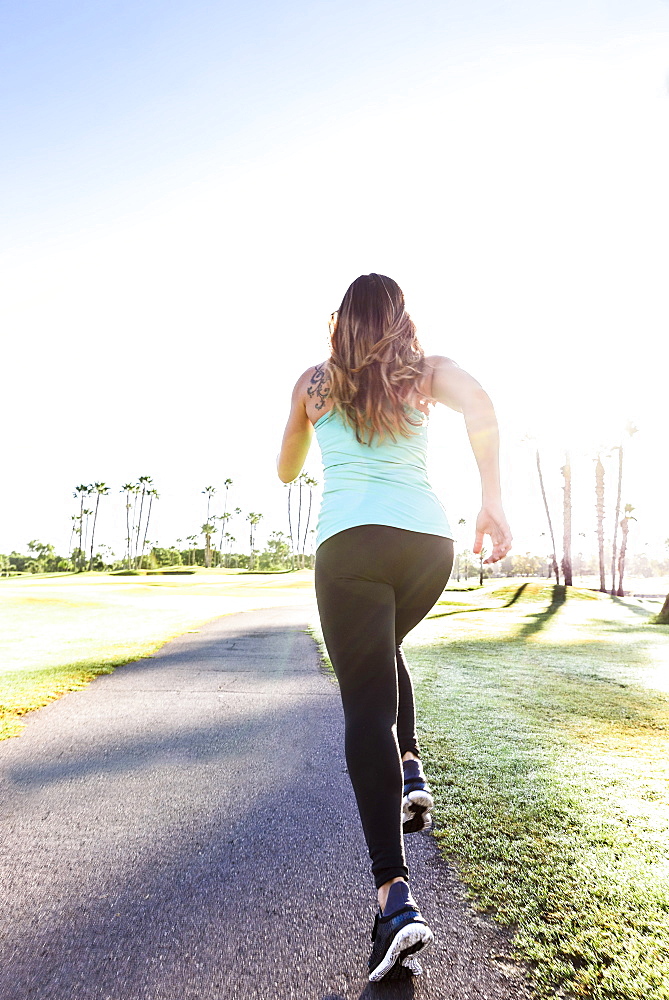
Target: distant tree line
point(210, 546)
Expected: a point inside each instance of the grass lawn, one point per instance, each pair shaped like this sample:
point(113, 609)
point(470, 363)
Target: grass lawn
point(544, 721)
point(58, 632)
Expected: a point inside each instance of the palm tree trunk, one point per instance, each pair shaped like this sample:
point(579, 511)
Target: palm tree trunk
point(306, 527)
point(624, 525)
point(290, 528)
point(95, 518)
point(83, 553)
point(299, 518)
point(72, 534)
point(566, 542)
point(127, 525)
point(81, 531)
point(139, 527)
point(220, 545)
point(550, 523)
point(615, 524)
point(599, 506)
point(133, 550)
point(146, 530)
point(663, 617)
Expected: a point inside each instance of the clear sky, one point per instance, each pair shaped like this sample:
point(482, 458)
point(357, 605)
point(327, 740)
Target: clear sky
point(187, 190)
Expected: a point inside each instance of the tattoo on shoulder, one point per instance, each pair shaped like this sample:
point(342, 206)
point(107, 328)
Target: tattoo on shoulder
point(318, 387)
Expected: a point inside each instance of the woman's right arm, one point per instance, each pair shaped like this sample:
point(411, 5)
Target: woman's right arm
point(298, 433)
point(457, 389)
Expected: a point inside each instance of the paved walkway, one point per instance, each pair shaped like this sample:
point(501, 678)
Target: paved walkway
point(185, 828)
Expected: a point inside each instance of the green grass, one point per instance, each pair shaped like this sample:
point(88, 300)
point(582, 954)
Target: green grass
point(544, 721)
point(59, 632)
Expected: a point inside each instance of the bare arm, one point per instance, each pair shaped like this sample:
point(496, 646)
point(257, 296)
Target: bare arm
point(297, 435)
point(459, 391)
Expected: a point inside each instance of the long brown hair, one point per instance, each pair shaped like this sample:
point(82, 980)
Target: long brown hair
point(375, 359)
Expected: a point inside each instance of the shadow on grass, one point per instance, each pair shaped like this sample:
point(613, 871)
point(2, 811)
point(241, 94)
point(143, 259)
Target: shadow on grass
point(542, 618)
point(516, 596)
point(641, 612)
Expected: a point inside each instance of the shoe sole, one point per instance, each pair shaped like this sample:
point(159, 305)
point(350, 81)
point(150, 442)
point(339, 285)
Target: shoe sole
point(416, 808)
point(410, 941)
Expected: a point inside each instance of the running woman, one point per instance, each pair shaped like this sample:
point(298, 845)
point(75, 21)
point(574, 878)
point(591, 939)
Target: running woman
point(384, 555)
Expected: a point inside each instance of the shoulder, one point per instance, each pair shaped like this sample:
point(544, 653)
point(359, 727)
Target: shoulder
point(310, 392)
point(451, 384)
point(438, 363)
point(312, 376)
point(312, 382)
point(436, 371)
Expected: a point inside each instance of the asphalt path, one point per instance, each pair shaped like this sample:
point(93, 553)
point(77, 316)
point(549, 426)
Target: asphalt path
point(185, 828)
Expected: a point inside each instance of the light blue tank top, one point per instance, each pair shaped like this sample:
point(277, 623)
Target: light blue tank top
point(376, 484)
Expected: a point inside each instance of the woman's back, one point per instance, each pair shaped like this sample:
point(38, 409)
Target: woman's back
point(381, 482)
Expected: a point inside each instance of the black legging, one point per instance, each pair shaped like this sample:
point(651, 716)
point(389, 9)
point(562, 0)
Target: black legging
point(374, 584)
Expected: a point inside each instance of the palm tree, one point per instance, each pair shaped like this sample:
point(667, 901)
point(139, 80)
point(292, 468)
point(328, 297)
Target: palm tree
point(129, 489)
point(566, 515)
point(227, 484)
point(81, 492)
point(253, 519)
point(624, 525)
point(143, 484)
point(550, 523)
point(207, 530)
point(482, 554)
point(152, 495)
point(579, 557)
point(87, 514)
point(461, 523)
point(631, 430)
point(299, 512)
point(237, 511)
point(599, 507)
point(229, 539)
point(310, 483)
point(223, 518)
point(209, 491)
point(290, 526)
point(101, 489)
point(74, 518)
point(192, 539)
point(614, 548)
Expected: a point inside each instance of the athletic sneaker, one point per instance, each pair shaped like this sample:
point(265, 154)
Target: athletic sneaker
point(417, 800)
point(400, 934)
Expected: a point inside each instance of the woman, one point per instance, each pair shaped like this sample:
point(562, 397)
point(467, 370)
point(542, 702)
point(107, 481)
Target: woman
point(384, 555)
